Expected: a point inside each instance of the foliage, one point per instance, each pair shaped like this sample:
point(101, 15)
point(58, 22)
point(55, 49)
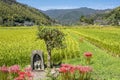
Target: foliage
point(13, 13)
point(86, 20)
point(53, 39)
point(111, 17)
point(114, 16)
point(82, 18)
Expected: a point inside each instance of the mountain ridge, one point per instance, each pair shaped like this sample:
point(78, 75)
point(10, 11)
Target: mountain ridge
point(71, 16)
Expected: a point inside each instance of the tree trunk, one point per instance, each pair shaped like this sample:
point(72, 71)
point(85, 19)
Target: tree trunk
point(49, 59)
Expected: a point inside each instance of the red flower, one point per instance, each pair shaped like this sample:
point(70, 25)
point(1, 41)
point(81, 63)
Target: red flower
point(88, 54)
point(63, 70)
point(72, 69)
point(19, 78)
point(84, 69)
point(28, 69)
point(21, 74)
point(14, 69)
point(67, 68)
point(4, 69)
point(29, 74)
point(78, 67)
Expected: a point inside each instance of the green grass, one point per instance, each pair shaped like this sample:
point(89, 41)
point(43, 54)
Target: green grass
point(106, 67)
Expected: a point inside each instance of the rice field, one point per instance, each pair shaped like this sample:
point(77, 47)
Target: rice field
point(17, 44)
point(106, 38)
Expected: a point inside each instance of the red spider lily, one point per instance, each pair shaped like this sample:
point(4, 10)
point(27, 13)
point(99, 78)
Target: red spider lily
point(84, 69)
point(19, 78)
point(63, 70)
point(29, 74)
point(69, 72)
point(4, 69)
point(21, 74)
point(78, 67)
point(88, 54)
point(67, 68)
point(72, 69)
point(14, 69)
point(25, 75)
point(28, 69)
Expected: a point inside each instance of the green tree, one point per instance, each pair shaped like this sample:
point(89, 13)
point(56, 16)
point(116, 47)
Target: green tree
point(89, 20)
point(53, 39)
point(82, 18)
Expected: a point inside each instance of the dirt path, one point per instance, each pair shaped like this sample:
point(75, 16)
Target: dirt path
point(39, 75)
point(42, 75)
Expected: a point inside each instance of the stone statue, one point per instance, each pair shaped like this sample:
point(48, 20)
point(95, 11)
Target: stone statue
point(37, 61)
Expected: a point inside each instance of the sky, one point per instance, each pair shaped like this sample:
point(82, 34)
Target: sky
point(71, 4)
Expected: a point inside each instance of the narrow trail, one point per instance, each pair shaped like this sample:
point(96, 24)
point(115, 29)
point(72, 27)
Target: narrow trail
point(39, 75)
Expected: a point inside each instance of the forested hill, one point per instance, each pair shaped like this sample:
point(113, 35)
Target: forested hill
point(13, 13)
point(114, 16)
point(72, 16)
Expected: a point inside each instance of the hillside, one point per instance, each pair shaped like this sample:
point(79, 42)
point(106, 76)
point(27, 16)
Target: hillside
point(114, 16)
point(109, 18)
point(71, 16)
point(13, 13)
